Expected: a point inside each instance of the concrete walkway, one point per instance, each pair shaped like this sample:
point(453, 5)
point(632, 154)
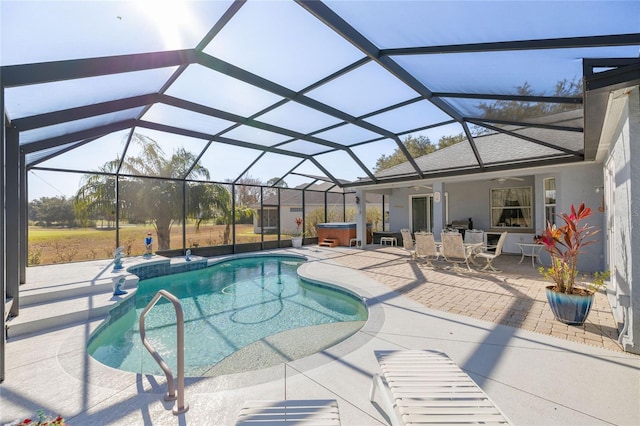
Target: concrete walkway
point(534, 378)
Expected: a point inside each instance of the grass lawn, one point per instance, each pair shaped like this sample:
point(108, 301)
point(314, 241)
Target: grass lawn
point(61, 245)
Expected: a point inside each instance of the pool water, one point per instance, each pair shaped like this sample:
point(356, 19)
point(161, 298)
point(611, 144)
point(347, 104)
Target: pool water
point(226, 307)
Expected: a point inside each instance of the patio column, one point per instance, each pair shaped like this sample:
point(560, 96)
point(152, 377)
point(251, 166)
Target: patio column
point(23, 218)
point(361, 217)
point(12, 211)
point(3, 245)
point(439, 209)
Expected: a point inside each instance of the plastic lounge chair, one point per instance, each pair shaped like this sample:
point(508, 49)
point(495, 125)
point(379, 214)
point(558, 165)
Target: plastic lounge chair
point(407, 242)
point(453, 249)
point(489, 257)
point(426, 247)
point(427, 387)
point(302, 412)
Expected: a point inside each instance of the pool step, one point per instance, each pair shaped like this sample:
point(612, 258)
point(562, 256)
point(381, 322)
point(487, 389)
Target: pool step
point(53, 315)
point(329, 242)
point(47, 308)
point(41, 295)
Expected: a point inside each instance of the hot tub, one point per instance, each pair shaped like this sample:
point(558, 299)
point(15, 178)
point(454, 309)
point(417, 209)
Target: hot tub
point(341, 231)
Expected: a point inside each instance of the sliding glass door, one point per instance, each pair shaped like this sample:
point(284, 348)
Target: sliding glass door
point(421, 218)
point(422, 212)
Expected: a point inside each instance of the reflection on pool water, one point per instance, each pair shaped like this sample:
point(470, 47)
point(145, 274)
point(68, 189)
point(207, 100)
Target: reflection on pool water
point(226, 307)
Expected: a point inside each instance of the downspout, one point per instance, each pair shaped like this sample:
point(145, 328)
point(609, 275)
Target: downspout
point(624, 301)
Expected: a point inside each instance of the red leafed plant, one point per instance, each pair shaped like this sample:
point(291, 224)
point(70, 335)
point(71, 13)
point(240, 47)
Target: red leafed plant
point(564, 244)
point(298, 224)
point(43, 420)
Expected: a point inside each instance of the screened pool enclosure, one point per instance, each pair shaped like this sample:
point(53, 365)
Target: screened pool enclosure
point(215, 124)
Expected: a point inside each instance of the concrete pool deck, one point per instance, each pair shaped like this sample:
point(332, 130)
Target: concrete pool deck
point(536, 374)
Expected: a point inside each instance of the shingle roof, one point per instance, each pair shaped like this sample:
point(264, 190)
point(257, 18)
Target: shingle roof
point(499, 148)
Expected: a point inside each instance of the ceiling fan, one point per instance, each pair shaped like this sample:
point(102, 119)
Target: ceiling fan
point(505, 178)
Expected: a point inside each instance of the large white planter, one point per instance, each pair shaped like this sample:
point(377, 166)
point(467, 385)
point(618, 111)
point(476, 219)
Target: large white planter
point(296, 242)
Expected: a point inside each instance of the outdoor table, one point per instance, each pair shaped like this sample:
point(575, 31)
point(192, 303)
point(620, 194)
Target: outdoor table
point(475, 248)
point(391, 240)
point(530, 250)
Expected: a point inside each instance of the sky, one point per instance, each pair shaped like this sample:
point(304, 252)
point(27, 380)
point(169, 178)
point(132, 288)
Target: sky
point(283, 43)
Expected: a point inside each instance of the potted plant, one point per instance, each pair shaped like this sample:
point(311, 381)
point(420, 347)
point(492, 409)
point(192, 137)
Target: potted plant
point(570, 303)
point(41, 420)
point(296, 237)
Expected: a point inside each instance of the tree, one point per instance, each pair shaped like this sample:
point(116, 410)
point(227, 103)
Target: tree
point(248, 191)
point(96, 198)
point(518, 110)
point(158, 197)
point(52, 210)
point(446, 141)
point(214, 199)
point(276, 181)
point(417, 147)
point(500, 110)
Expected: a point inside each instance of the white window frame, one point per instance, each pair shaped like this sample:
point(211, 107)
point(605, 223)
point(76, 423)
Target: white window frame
point(547, 206)
point(529, 207)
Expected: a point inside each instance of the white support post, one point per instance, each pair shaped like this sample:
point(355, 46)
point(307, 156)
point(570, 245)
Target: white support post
point(439, 209)
point(361, 218)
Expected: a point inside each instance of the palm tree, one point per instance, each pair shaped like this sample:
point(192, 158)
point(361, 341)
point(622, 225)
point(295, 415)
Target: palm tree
point(158, 197)
point(96, 199)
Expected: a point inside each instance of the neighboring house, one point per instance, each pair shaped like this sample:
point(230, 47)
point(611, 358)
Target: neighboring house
point(339, 205)
point(269, 219)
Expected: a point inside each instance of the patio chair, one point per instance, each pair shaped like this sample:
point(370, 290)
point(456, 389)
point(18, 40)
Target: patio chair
point(489, 257)
point(453, 249)
point(427, 387)
point(472, 236)
point(407, 242)
point(292, 411)
point(426, 247)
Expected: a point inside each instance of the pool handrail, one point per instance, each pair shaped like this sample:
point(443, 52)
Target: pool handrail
point(180, 407)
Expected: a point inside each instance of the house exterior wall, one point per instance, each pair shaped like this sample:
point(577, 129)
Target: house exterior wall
point(575, 183)
point(399, 209)
point(625, 153)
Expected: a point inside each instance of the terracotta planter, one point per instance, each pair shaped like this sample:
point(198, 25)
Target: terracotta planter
point(571, 309)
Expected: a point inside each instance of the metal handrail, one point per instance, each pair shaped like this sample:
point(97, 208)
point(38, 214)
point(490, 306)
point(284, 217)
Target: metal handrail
point(181, 407)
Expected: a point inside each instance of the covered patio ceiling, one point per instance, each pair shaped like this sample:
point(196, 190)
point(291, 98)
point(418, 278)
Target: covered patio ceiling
point(307, 91)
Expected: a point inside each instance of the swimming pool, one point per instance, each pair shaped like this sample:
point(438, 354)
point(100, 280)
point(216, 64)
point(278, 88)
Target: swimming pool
point(227, 307)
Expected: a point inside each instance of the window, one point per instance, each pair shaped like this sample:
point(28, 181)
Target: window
point(295, 209)
point(269, 217)
point(550, 200)
point(511, 207)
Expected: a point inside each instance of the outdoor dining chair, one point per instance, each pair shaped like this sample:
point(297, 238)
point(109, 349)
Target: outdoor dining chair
point(454, 250)
point(426, 247)
point(472, 236)
point(407, 242)
point(489, 257)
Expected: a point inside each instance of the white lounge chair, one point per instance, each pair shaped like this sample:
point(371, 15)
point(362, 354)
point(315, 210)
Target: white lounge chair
point(426, 247)
point(301, 412)
point(407, 242)
point(427, 387)
point(489, 257)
